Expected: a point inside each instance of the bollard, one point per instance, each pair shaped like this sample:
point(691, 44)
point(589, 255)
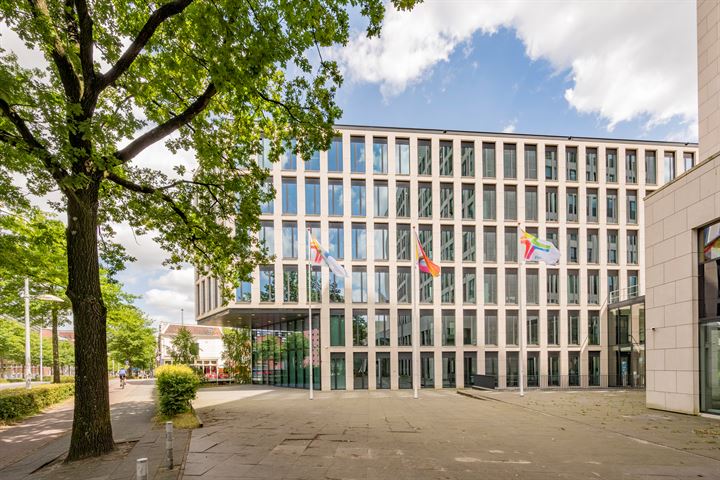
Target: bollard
point(169, 445)
point(141, 469)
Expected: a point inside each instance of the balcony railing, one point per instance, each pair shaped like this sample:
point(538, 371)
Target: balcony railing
point(623, 294)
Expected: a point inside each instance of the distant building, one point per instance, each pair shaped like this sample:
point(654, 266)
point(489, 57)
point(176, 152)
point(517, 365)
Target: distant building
point(209, 340)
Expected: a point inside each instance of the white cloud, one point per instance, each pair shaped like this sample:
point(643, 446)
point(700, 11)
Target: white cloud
point(627, 60)
point(170, 301)
point(510, 127)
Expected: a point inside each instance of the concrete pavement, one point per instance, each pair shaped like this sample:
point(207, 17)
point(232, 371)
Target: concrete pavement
point(279, 434)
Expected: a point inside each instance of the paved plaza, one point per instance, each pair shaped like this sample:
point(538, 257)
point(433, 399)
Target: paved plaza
point(255, 432)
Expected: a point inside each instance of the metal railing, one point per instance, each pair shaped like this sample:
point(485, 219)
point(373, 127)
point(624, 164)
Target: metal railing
point(568, 382)
point(623, 294)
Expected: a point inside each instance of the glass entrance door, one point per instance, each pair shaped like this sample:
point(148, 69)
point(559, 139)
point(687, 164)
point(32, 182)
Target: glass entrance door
point(337, 371)
point(382, 370)
point(710, 367)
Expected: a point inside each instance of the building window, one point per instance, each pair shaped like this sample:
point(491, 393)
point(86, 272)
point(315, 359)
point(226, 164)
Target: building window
point(446, 158)
point(467, 160)
point(553, 287)
point(243, 293)
point(593, 287)
point(613, 283)
point(572, 236)
point(312, 196)
point(631, 166)
point(468, 244)
point(289, 159)
point(573, 287)
point(425, 200)
point(382, 241)
point(511, 287)
point(612, 236)
point(359, 241)
point(469, 286)
point(380, 155)
point(358, 198)
point(488, 160)
point(688, 160)
point(447, 243)
point(632, 248)
point(632, 207)
point(336, 288)
point(381, 199)
point(491, 327)
point(593, 247)
point(509, 160)
point(264, 155)
point(489, 207)
point(651, 168)
point(572, 205)
point(511, 244)
point(468, 202)
point(611, 165)
point(591, 165)
point(592, 206)
point(553, 327)
point(612, 206)
point(402, 156)
point(426, 288)
point(669, 166)
point(335, 197)
point(267, 237)
point(532, 280)
point(360, 328)
point(551, 163)
point(530, 162)
point(313, 163)
point(267, 283)
point(573, 327)
point(594, 328)
point(490, 286)
point(469, 328)
point(571, 163)
point(357, 154)
point(290, 284)
point(511, 328)
point(633, 283)
point(533, 328)
point(489, 244)
point(337, 328)
point(360, 370)
point(382, 328)
point(531, 204)
point(447, 285)
point(289, 240)
point(289, 196)
point(404, 285)
point(359, 285)
point(268, 207)
point(427, 328)
point(551, 204)
point(402, 199)
point(403, 242)
point(336, 238)
point(446, 200)
point(404, 330)
point(510, 203)
point(424, 158)
point(335, 161)
point(425, 235)
point(448, 328)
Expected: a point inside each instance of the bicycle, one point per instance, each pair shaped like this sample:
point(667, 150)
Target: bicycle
point(122, 381)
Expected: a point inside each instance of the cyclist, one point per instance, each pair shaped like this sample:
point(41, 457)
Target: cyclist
point(122, 374)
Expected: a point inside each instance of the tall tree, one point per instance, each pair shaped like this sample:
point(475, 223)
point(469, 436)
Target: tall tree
point(130, 337)
point(12, 343)
point(237, 353)
point(184, 349)
point(208, 76)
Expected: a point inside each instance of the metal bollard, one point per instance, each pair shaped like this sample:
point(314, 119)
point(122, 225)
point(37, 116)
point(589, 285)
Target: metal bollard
point(169, 445)
point(141, 469)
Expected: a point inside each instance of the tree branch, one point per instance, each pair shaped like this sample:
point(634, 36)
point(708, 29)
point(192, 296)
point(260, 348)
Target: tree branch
point(165, 129)
point(128, 57)
point(85, 39)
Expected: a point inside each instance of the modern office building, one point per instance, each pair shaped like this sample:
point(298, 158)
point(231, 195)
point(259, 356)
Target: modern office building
point(683, 257)
point(465, 192)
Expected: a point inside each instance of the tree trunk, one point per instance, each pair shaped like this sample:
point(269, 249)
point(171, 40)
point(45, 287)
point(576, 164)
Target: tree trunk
point(92, 430)
point(56, 347)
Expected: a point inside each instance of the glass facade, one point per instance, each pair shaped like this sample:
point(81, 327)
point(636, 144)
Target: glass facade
point(709, 326)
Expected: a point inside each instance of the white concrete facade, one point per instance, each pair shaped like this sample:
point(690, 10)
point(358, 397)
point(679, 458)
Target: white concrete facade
point(208, 305)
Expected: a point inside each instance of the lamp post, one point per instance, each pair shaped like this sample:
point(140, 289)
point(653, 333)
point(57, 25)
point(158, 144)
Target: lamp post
point(26, 297)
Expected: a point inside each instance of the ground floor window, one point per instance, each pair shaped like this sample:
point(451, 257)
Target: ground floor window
point(710, 367)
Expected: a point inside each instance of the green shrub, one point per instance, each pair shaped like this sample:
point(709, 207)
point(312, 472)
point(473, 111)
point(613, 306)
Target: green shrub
point(67, 379)
point(18, 403)
point(177, 386)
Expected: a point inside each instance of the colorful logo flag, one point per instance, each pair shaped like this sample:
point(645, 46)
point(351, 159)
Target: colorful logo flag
point(424, 263)
point(539, 250)
point(318, 255)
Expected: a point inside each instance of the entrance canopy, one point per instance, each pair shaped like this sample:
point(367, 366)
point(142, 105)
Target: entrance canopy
point(257, 317)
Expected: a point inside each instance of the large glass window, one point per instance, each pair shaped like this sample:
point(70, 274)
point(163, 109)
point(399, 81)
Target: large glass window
point(337, 240)
point(553, 327)
point(594, 287)
point(448, 328)
point(382, 241)
point(553, 287)
point(490, 286)
point(335, 197)
point(243, 292)
point(403, 242)
point(631, 166)
point(632, 207)
point(337, 328)
point(469, 328)
point(382, 285)
point(532, 280)
point(446, 158)
point(425, 235)
point(512, 327)
point(447, 243)
point(290, 284)
point(359, 241)
point(264, 154)
point(688, 161)
point(489, 206)
point(551, 204)
point(289, 240)
point(360, 370)
point(402, 156)
point(509, 160)
point(382, 328)
point(289, 159)
point(592, 206)
point(511, 244)
point(510, 203)
point(531, 204)
point(336, 288)
point(360, 328)
point(404, 284)
point(381, 199)
point(289, 196)
point(489, 244)
point(594, 328)
point(357, 154)
point(669, 167)
point(380, 155)
point(593, 246)
point(447, 285)
point(446, 200)
point(335, 161)
point(358, 198)
point(267, 237)
point(632, 247)
point(533, 328)
point(573, 287)
point(573, 247)
point(531, 162)
point(359, 285)
point(468, 244)
point(591, 165)
point(511, 287)
point(267, 283)
point(313, 163)
point(469, 286)
point(571, 163)
point(612, 206)
point(337, 371)
point(573, 327)
point(488, 160)
point(425, 200)
point(491, 327)
point(424, 157)
point(467, 165)
point(468, 202)
point(312, 196)
point(611, 165)
point(426, 288)
point(651, 168)
point(404, 328)
point(402, 199)
point(551, 163)
point(572, 204)
point(427, 328)
point(268, 207)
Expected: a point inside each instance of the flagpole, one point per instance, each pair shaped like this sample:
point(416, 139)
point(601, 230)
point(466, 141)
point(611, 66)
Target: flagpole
point(522, 315)
point(415, 293)
point(310, 319)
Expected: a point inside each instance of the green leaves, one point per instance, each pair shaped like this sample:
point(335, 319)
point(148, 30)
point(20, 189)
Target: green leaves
point(130, 337)
point(185, 349)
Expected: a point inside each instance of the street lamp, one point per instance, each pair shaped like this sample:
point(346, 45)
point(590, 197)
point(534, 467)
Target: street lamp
point(48, 298)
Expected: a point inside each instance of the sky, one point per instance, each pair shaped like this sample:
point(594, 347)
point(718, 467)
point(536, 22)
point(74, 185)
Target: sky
point(619, 69)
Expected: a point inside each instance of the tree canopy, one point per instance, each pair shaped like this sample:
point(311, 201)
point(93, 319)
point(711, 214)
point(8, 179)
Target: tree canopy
point(184, 349)
point(130, 337)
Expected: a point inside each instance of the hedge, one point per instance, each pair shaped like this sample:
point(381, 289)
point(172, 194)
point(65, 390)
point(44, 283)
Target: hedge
point(18, 403)
point(177, 386)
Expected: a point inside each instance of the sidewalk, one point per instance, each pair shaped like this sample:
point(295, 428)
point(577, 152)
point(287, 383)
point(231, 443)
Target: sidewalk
point(35, 448)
